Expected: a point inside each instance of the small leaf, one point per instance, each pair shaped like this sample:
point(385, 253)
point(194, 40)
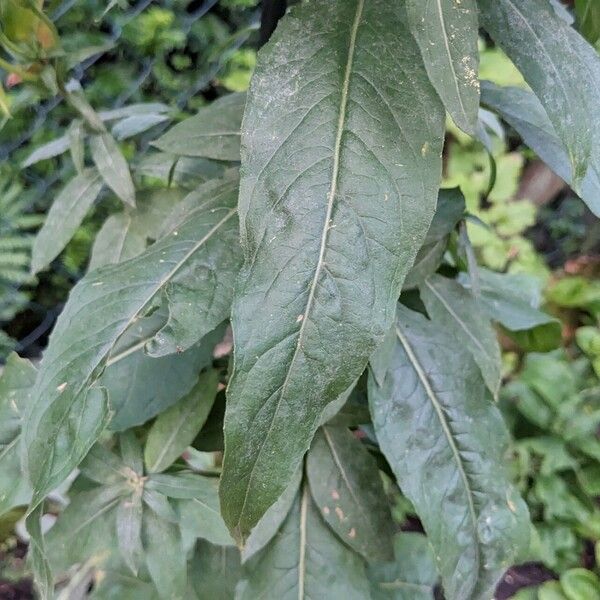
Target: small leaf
point(103, 466)
point(112, 167)
point(131, 452)
point(460, 313)
point(175, 429)
point(346, 486)
point(447, 34)
point(64, 218)
point(336, 198)
point(50, 150)
point(411, 576)
point(445, 442)
point(134, 110)
point(308, 559)
point(129, 530)
point(76, 135)
point(214, 132)
point(136, 124)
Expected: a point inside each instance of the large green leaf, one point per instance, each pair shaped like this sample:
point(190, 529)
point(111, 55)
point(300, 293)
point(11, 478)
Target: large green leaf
point(175, 429)
point(447, 34)
point(445, 442)
point(346, 486)
point(411, 576)
point(214, 571)
point(64, 217)
point(66, 415)
point(562, 69)
point(340, 173)
point(525, 113)
point(16, 381)
point(304, 561)
point(463, 316)
point(214, 132)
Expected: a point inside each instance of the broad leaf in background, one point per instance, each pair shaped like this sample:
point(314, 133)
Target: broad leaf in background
point(447, 34)
point(127, 234)
point(62, 425)
point(336, 198)
point(561, 68)
point(64, 218)
point(175, 429)
point(460, 313)
point(305, 560)
point(588, 19)
point(136, 124)
point(513, 301)
point(214, 132)
point(50, 150)
point(525, 113)
point(411, 576)
point(184, 171)
point(16, 380)
point(445, 442)
point(112, 166)
point(346, 486)
point(214, 571)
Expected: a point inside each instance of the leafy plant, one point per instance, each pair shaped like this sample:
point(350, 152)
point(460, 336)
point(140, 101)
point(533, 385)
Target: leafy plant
point(365, 352)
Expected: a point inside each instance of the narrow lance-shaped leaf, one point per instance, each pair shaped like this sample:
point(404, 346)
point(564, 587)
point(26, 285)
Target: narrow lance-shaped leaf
point(112, 166)
point(346, 486)
point(447, 33)
point(554, 62)
point(305, 560)
point(463, 316)
point(64, 217)
point(214, 132)
point(445, 442)
point(62, 425)
point(341, 167)
point(525, 113)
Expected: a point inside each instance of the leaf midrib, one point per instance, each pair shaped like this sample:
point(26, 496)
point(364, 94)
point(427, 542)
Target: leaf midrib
point(324, 236)
point(447, 432)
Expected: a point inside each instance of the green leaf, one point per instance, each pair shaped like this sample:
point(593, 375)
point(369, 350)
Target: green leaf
point(129, 528)
point(524, 112)
point(64, 218)
point(588, 19)
point(215, 571)
point(76, 135)
point(18, 377)
point(214, 132)
point(560, 67)
point(450, 209)
point(175, 429)
point(112, 166)
point(66, 417)
point(580, 584)
point(50, 150)
point(136, 124)
point(336, 197)
point(447, 34)
point(131, 452)
point(182, 171)
point(551, 590)
point(165, 557)
point(411, 576)
point(348, 490)
point(513, 301)
point(305, 560)
point(428, 261)
point(103, 466)
point(445, 442)
point(127, 234)
point(461, 314)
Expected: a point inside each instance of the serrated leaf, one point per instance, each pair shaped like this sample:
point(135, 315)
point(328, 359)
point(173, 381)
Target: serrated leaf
point(175, 429)
point(214, 571)
point(348, 491)
point(335, 202)
point(214, 132)
point(513, 301)
point(64, 218)
point(165, 557)
point(16, 380)
point(560, 67)
point(445, 442)
point(461, 314)
point(112, 166)
point(447, 34)
point(411, 576)
point(62, 426)
point(525, 113)
point(305, 560)
point(50, 150)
